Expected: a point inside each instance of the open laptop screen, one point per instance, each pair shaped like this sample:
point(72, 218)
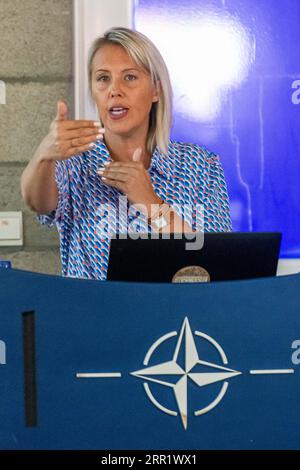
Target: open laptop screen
point(224, 256)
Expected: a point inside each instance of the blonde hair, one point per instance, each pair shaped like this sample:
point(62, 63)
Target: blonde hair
point(146, 55)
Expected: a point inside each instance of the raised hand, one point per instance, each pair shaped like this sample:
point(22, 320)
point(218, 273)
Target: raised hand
point(69, 137)
point(132, 179)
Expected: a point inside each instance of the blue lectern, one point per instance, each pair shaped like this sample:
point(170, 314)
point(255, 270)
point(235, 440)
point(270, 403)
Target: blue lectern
point(112, 365)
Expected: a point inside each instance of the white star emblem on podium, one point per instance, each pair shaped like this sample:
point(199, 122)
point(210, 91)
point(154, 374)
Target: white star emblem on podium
point(191, 359)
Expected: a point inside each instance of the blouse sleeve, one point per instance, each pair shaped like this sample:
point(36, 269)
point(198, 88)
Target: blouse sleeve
point(219, 202)
point(62, 181)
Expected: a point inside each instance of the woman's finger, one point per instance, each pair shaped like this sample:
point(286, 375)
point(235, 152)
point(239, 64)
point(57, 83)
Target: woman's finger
point(127, 165)
point(70, 152)
point(113, 176)
point(84, 140)
point(107, 171)
point(81, 132)
point(80, 123)
point(61, 111)
point(115, 184)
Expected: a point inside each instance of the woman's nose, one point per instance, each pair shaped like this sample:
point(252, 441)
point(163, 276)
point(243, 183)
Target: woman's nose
point(115, 92)
point(115, 89)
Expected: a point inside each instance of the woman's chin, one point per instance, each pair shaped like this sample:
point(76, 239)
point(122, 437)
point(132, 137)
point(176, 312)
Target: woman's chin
point(119, 131)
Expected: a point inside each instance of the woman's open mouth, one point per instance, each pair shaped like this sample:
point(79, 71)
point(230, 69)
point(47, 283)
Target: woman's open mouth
point(118, 113)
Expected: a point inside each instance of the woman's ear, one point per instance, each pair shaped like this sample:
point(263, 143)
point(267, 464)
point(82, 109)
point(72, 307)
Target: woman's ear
point(156, 92)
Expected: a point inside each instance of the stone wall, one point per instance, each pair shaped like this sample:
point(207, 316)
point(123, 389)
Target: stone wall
point(36, 68)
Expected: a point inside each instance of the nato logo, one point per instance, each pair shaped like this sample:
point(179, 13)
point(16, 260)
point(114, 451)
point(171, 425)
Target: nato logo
point(184, 368)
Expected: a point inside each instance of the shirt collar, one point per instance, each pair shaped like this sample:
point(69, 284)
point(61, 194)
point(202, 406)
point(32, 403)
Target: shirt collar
point(164, 164)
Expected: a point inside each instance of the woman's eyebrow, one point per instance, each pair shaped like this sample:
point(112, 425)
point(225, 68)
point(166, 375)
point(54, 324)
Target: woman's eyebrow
point(125, 70)
point(132, 68)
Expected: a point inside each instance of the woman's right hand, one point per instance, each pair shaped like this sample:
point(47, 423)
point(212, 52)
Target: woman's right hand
point(68, 137)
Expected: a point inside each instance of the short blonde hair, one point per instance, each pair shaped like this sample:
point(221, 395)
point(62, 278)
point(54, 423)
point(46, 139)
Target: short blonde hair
point(146, 55)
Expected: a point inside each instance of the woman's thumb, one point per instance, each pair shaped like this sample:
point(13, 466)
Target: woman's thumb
point(62, 111)
point(137, 154)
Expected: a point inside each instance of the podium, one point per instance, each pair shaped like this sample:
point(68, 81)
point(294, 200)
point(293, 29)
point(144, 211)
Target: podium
point(113, 365)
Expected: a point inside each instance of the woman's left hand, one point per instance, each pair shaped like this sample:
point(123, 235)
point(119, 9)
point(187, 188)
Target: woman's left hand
point(132, 179)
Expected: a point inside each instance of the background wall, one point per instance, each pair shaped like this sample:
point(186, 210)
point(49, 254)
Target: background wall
point(36, 68)
point(235, 70)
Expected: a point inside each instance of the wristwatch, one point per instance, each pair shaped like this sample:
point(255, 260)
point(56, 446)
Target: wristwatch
point(160, 220)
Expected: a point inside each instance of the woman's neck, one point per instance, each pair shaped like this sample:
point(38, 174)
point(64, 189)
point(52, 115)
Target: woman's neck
point(121, 149)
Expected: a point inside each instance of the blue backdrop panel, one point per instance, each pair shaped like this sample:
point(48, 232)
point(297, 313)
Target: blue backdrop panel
point(235, 69)
point(93, 327)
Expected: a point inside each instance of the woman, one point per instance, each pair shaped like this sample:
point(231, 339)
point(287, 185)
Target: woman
point(122, 174)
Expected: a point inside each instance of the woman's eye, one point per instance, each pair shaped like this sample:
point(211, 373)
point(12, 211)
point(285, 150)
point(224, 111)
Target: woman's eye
point(102, 78)
point(130, 77)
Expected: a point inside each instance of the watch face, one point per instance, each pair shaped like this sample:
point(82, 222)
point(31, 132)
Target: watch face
point(161, 222)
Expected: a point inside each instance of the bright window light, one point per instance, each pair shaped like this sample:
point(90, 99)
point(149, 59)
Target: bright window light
point(206, 57)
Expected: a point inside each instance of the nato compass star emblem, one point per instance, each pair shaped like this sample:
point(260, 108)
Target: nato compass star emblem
point(182, 368)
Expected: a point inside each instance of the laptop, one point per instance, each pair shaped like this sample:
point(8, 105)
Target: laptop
point(223, 257)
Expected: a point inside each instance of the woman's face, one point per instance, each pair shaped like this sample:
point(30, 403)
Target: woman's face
point(122, 91)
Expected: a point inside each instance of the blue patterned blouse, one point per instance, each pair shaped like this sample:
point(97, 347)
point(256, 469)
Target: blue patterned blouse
point(189, 176)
